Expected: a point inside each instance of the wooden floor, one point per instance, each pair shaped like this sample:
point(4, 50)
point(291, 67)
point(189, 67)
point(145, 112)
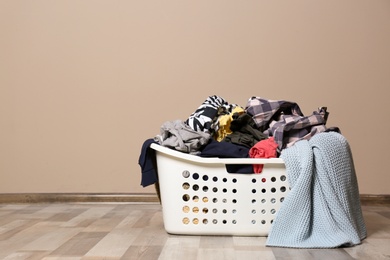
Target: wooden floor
point(135, 231)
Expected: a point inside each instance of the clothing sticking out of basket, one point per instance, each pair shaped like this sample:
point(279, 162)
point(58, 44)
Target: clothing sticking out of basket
point(323, 208)
point(212, 181)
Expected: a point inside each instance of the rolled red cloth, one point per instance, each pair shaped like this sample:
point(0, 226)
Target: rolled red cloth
point(263, 149)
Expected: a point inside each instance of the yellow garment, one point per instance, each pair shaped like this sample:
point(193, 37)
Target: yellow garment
point(224, 124)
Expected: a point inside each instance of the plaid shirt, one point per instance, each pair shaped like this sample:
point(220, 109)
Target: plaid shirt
point(284, 120)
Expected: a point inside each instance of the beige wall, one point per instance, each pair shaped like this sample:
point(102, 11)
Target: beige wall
point(84, 83)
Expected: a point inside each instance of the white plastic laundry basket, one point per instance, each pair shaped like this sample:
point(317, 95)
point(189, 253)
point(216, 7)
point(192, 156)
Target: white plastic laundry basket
point(199, 196)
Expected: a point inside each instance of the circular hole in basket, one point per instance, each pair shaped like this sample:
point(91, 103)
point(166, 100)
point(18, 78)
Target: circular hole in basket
point(263, 179)
point(263, 222)
point(224, 211)
point(253, 190)
point(215, 178)
point(186, 185)
point(234, 201)
point(234, 180)
point(273, 190)
point(205, 221)
point(224, 221)
point(281, 199)
point(282, 189)
point(186, 174)
point(186, 221)
point(253, 221)
point(195, 187)
point(253, 201)
point(273, 211)
point(234, 191)
point(215, 221)
point(263, 200)
point(234, 211)
point(224, 190)
point(195, 221)
point(273, 179)
point(263, 190)
point(195, 209)
point(224, 200)
point(273, 200)
point(234, 221)
point(283, 178)
point(263, 211)
point(215, 200)
point(205, 210)
point(205, 199)
point(186, 197)
point(195, 176)
point(224, 180)
point(195, 198)
point(205, 177)
point(205, 188)
point(254, 180)
point(253, 211)
point(215, 189)
point(215, 211)
point(186, 209)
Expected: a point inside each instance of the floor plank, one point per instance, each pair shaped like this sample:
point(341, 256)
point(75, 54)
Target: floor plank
point(86, 231)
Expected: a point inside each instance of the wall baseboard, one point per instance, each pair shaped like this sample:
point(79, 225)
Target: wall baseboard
point(366, 199)
point(78, 197)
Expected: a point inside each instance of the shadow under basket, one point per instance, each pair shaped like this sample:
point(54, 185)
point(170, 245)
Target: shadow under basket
point(199, 197)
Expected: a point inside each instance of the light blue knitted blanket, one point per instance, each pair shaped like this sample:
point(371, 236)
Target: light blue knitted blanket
point(322, 210)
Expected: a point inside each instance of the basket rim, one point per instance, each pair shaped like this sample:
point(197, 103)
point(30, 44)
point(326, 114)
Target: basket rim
point(213, 160)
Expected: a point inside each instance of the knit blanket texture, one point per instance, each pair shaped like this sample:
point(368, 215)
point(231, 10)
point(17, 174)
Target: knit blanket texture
point(322, 209)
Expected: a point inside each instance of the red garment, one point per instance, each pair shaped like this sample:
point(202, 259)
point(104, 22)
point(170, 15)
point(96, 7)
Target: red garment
point(263, 149)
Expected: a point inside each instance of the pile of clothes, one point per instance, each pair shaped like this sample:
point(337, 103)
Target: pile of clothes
point(217, 128)
point(259, 120)
point(322, 210)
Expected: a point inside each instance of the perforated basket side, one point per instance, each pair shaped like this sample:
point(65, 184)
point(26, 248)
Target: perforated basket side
point(204, 199)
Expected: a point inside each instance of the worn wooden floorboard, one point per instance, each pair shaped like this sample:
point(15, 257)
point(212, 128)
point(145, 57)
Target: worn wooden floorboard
point(87, 231)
